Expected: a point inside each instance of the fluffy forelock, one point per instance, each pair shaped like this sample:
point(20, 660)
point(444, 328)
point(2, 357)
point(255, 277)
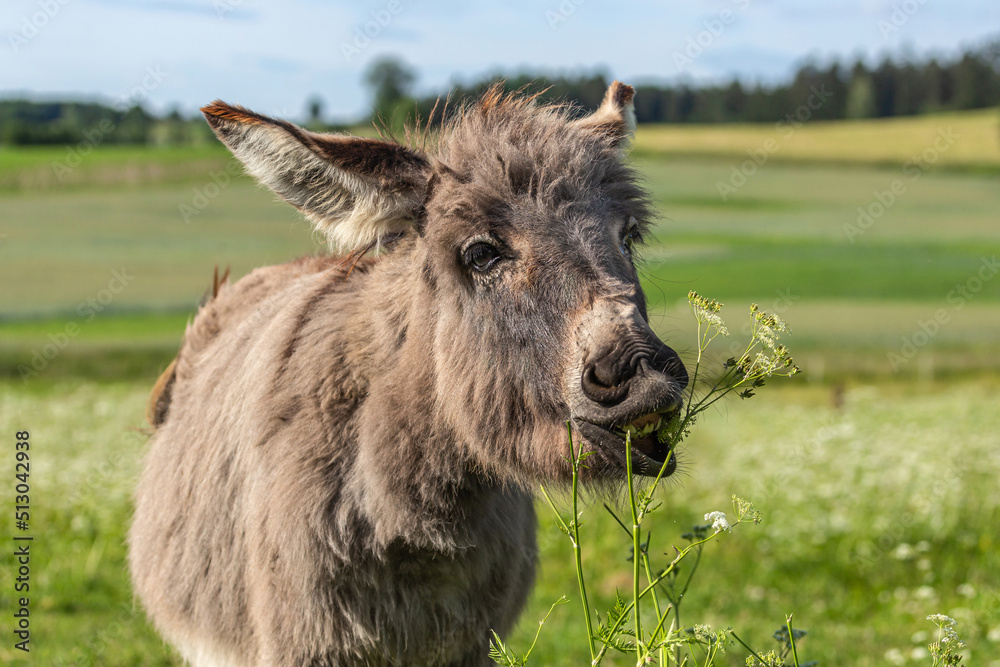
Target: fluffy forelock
point(511, 144)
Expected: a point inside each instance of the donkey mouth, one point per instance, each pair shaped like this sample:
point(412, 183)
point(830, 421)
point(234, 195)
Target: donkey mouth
point(650, 448)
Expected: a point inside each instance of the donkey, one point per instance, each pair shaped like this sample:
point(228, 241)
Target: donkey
point(344, 451)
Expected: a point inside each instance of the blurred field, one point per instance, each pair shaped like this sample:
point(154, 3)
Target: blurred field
point(789, 238)
point(975, 136)
point(878, 491)
point(43, 167)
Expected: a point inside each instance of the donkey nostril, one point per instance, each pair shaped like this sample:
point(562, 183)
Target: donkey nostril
point(598, 387)
point(590, 378)
point(604, 372)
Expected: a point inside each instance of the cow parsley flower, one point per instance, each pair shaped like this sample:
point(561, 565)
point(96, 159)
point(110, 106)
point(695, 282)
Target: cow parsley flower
point(707, 310)
point(719, 521)
point(947, 649)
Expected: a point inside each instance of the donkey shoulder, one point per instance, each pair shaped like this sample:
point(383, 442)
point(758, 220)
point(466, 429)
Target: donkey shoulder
point(254, 298)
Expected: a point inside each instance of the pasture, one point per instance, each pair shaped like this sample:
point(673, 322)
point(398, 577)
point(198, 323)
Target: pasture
point(875, 470)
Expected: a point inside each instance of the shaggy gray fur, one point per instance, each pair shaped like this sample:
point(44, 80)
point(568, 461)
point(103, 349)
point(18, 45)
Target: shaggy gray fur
point(343, 463)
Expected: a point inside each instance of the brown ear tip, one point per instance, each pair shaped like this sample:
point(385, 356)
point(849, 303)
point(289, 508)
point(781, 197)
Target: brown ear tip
point(621, 93)
point(216, 108)
point(218, 111)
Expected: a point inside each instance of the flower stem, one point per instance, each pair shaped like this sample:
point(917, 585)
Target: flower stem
point(636, 547)
point(791, 640)
point(575, 462)
point(652, 585)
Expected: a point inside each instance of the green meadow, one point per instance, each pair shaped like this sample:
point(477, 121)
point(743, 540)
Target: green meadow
point(875, 469)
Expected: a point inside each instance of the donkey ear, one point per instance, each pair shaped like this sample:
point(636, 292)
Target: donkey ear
point(354, 190)
point(615, 118)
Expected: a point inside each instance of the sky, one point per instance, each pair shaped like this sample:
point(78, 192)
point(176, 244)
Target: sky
point(274, 56)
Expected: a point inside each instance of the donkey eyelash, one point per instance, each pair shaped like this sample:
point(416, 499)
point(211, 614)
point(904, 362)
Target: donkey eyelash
point(630, 236)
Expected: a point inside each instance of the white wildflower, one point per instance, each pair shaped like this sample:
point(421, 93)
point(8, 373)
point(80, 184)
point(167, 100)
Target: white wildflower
point(766, 335)
point(941, 620)
point(719, 521)
point(716, 322)
point(707, 310)
point(949, 642)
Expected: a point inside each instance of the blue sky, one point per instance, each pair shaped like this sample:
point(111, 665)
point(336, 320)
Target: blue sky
point(272, 56)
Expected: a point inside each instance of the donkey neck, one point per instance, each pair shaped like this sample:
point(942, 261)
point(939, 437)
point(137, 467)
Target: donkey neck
point(413, 480)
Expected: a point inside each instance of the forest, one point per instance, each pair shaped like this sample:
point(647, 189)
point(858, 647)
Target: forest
point(900, 85)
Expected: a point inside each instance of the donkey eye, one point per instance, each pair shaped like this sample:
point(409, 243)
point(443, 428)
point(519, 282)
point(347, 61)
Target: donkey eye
point(627, 242)
point(481, 256)
point(629, 238)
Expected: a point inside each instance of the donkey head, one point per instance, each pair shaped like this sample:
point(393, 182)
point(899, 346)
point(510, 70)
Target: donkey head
point(516, 235)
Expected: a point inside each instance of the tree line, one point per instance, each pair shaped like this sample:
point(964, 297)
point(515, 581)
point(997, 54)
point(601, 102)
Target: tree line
point(895, 86)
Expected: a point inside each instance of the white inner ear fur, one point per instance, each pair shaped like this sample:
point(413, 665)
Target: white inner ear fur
point(630, 123)
point(350, 210)
point(611, 112)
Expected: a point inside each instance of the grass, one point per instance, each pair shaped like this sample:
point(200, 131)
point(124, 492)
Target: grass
point(869, 523)
point(85, 451)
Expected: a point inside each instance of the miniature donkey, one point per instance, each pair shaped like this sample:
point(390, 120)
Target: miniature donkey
point(344, 454)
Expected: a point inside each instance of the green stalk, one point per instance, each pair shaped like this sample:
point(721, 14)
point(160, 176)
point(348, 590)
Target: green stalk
point(652, 585)
point(656, 633)
point(636, 548)
point(677, 601)
point(791, 640)
point(744, 644)
point(697, 363)
point(575, 461)
point(649, 577)
point(541, 623)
